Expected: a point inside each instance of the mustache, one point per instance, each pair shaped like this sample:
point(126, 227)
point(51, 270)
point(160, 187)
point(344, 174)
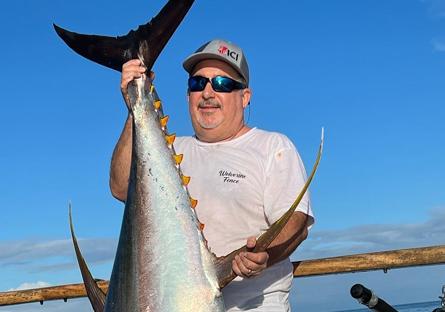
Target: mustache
point(209, 103)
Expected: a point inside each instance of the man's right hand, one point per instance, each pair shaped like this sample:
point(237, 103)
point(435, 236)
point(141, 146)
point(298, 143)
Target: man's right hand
point(131, 70)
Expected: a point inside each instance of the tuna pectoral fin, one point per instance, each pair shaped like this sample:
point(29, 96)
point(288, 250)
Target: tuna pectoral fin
point(224, 264)
point(113, 52)
point(95, 294)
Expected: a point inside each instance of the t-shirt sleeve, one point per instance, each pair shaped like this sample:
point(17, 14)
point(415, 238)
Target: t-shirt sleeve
point(285, 178)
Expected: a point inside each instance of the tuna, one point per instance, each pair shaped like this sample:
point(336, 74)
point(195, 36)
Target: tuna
point(162, 262)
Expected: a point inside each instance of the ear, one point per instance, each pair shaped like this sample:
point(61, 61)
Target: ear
point(247, 93)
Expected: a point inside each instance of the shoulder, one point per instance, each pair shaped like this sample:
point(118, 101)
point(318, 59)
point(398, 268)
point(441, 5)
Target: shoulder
point(278, 151)
point(272, 141)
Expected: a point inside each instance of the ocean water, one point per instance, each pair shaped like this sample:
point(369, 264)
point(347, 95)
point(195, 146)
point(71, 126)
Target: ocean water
point(412, 307)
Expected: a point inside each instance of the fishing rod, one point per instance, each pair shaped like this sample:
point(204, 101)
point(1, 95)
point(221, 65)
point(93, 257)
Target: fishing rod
point(368, 298)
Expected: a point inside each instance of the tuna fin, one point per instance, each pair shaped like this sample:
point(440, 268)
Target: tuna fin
point(157, 104)
point(201, 226)
point(163, 121)
point(177, 158)
point(185, 180)
point(224, 264)
point(113, 52)
point(193, 203)
point(170, 139)
point(95, 294)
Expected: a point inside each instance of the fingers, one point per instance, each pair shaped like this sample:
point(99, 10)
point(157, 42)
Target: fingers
point(248, 264)
point(131, 70)
point(251, 242)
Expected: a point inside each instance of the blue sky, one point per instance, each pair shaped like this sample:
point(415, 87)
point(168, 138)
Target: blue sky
point(371, 72)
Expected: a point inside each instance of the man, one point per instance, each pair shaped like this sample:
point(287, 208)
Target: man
point(244, 178)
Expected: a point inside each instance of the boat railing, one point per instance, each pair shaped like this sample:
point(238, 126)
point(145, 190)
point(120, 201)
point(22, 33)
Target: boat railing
point(384, 260)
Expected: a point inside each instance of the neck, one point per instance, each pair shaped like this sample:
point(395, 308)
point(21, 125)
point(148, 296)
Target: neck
point(210, 138)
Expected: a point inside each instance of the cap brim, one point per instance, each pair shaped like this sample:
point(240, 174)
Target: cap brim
point(190, 63)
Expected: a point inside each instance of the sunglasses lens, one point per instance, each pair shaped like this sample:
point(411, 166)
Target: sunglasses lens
point(222, 84)
point(219, 84)
point(197, 83)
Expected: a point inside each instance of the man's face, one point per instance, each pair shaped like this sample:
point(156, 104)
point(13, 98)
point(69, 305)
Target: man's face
point(217, 116)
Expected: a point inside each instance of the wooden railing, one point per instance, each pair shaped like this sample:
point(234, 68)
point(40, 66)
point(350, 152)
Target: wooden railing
point(384, 260)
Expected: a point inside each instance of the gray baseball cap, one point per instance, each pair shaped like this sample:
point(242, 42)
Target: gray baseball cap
point(220, 50)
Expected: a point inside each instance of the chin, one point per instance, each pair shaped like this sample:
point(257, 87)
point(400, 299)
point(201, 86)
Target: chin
point(209, 125)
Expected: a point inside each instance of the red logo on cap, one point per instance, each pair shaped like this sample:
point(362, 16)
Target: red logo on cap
point(222, 49)
point(232, 54)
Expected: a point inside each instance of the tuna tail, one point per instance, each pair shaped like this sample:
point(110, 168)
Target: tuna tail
point(224, 264)
point(113, 52)
point(95, 294)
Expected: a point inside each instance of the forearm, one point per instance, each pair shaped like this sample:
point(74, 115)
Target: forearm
point(292, 235)
point(121, 161)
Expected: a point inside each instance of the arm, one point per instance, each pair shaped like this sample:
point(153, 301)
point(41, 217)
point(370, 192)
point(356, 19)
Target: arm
point(121, 159)
point(293, 234)
point(120, 162)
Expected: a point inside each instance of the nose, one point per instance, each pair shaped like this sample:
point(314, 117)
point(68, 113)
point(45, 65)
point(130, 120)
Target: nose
point(208, 91)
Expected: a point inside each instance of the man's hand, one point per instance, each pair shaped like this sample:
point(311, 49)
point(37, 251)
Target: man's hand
point(131, 70)
point(248, 264)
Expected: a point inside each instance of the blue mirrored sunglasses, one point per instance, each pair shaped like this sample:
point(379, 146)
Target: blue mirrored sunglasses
point(219, 84)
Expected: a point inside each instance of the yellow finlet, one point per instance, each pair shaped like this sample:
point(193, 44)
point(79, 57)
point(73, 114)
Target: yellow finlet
point(157, 104)
point(152, 87)
point(163, 121)
point(178, 158)
point(170, 138)
point(185, 180)
point(201, 226)
point(193, 202)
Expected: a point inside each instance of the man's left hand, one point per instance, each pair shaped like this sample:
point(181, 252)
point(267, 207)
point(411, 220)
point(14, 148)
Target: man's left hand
point(248, 264)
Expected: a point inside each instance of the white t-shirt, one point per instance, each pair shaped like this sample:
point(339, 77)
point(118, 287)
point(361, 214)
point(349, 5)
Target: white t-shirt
point(242, 187)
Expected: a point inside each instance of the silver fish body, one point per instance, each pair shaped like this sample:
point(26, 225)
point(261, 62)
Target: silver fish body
point(162, 263)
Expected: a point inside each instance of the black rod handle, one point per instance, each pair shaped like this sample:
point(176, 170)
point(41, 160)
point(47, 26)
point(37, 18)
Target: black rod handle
point(367, 297)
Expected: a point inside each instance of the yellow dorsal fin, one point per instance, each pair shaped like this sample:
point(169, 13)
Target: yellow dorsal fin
point(157, 104)
point(185, 180)
point(152, 88)
point(178, 158)
point(201, 226)
point(193, 202)
point(170, 138)
point(163, 121)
